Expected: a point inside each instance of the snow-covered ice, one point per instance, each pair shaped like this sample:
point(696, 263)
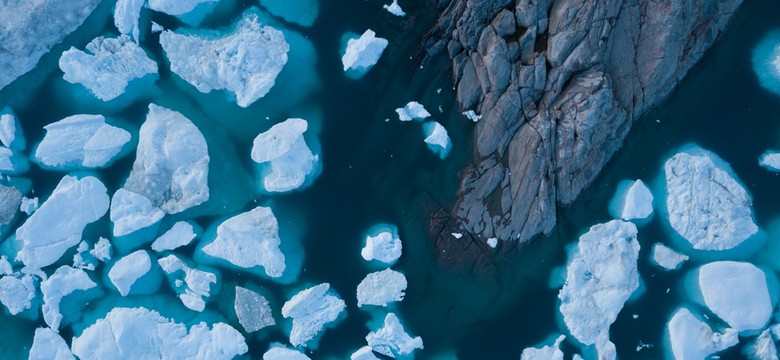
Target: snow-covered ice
point(280, 352)
point(763, 348)
point(128, 269)
point(437, 138)
point(253, 310)
point(546, 352)
point(126, 15)
point(770, 160)
point(394, 9)
point(62, 283)
point(11, 134)
point(381, 288)
point(362, 53)
point(196, 284)
point(83, 260)
point(49, 345)
point(632, 202)
point(692, 339)
point(412, 111)
point(177, 7)
point(736, 292)
point(287, 159)
point(392, 340)
point(180, 234)
point(311, 310)
point(81, 141)
point(301, 12)
point(364, 353)
point(17, 294)
point(667, 258)
point(384, 246)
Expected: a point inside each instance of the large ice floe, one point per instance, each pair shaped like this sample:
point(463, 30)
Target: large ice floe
point(49, 345)
point(392, 340)
point(301, 12)
point(139, 333)
point(412, 111)
point(766, 62)
point(437, 139)
point(382, 244)
point(58, 224)
point(706, 204)
point(601, 276)
point(363, 53)
point(65, 281)
point(244, 62)
point(311, 310)
point(81, 141)
point(180, 234)
point(632, 201)
point(667, 258)
point(192, 285)
point(170, 173)
point(17, 293)
point(381, 288)
point(692, 339)
point(253, 310)
point(546, 352)
point(107, 66)
point(134, 272)
point(286, 161)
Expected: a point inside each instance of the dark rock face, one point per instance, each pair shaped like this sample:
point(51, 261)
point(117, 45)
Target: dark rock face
point(558, 84)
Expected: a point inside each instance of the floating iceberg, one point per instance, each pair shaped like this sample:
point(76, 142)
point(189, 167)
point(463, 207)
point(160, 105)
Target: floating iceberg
point(600, 277)
point(17, 294)
point(180, 234)
point(139, 333)
point(81, 141)
point(547, 352)
point(394, 9)
point(763, 348)
point(770, 160)
point(107, 67)
point(383, 245)
point(667, 258)
point(706, 205)
point(58, 224)
point(736, 292)
point(126, 15)
point(286, 159)
point(279, 352)
point(11, 135)
point(253, 310)
point(129, 270)
point(245, 62)
point(301, 12)
point(65, 281)
point(412, 111)
point(191, 12)
point(632, 201)
point(437, 139)
point(311, 310)
point(691, 338)
point(361, 54)
point(392, 340)
point(193, 287)
point(102, 250)
point(766, 62)
point(49, 345)
point(381, 288)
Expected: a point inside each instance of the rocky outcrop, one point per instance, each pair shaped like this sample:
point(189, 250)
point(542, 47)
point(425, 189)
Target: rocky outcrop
point(558, 84)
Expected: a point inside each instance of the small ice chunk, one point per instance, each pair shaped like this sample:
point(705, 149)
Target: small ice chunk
point(128, 269)
point(364, 353)
point(381, 288)
point(289, 160)
point(5, 266)
point(492, 242)
point(82, 259)
point(457, 235)
point(311, 309)
point(301, 12)
point(280, 352)
point(62, 283)
point(601, 276)
point(547, 352)
point(763, 348)
point(176, 7)
point(770, 160)
point(392, 340)
point(437, 138)
point(197, 283)
point(139, 333)
point(691, 338)
point(102, 250)
point(471, 115)
point(28, 206)
point(11, 135)
point(58, 224)
point(765, 62)
point(81, 141)
point(363, 53)
point(131, 212)
point(737, 292)
point(384, 246)
point(157, 27)
point(667, 258)
point(253, 310)
point(244, 62)
point(635, 203)
point(394, 9)
point(126, 15)
point(17, 294)
point(180, 234)
point(12, 163)
point(707, 205)
point(412, 111)
point(49, 345)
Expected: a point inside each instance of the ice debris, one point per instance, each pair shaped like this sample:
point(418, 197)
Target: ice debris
point(196, 285)
point(101, 250)
point(392, 340)
point(81, 141)
point(364, 353)
point(632, 202)
point(286, 158)
point(394, 9)
point(17, 293)
point(27, 206)
point(126, 15)
point(11, 135)
point(311, 309)
point(766, 62)
point(763, 348)
point(770, 160)
point(363, 53)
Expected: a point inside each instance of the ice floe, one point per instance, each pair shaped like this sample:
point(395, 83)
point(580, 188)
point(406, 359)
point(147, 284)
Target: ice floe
point(17, 293)
point(691, 338)
point(412, 111)
point(253, 310)
point(667, 258)
point(364, 353)
point(301, 12)
point(126, 16)
point(131, 212)
point(437, 138)
point(12, 163)
point(10, 203)
point(394, 9)
point(180, 234)
point(632, 201)
point(81, 141)
point(766, 62)
point(546, 352)
point(192, 285)
point(770, 160)
point(11, 134)
point(381, 288)
point(49, 345)
point(392, 340)
point(736, 292)
point(311, 310)
point(763, 348)
point(280, 352)
point(65, 281)
point(383, 245)
point(101, 250)
point(286, 160)
point(362, 53)
point(129, 269)
point(27, 206)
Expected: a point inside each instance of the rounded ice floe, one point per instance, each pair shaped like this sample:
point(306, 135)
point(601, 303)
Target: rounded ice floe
point(692, 339)
point(394, 9)
point(381, 288)
point(11, 135)
point(139, 333)
point(667, 258)
point(770, 160)
point(126, 15)
point(58, 224)
point(766, 62)
point(392, 340)
point(129, 269)
point(107, 67)
point(383, 245)
point(192, 285)
point(280, 352)
point(253, 310)
point(763, 348)
point(601, 276)
point(286, 160)
point(311, 310)
point(412, 111)
point(437, 138)
point(364, 353)
point(706, 204)
point(301, 12)
point(632, 201)
point(81, 142)
point(546, 352)
point(180, 234)
point(17, 294)
point(736, 292)
point(49, 345)
point(244, 62)
point(362, 53)
point(65, 281)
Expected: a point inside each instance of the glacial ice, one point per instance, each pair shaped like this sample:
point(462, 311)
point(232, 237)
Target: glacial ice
point(280, 352)
point(546, 352)
point(253, 310)
point(437, 138)
point(11, 134)
point(392, 340)
point(180, 234)
point(667, 258)
point(311, 309)
point(383, 245)
point(17, 294)
point(301, 12)
point(632, 201)
point(394, 9)
point(196, 285)
point(49, 345)
point(770, 160)
point(286, 160)
point(763, 348)
point(58, 224)
point(245, 62)
point(129, 269)
point(363, 53)
point(65, 281)
point(766, 62)
point(707, 205)
point(81, 141)
point(126, 16)
point(139, 333)
point(364, 353)
point(692, 339)
point(412, 111)
point(381, 288)
point(736, 292)
point(601, 276)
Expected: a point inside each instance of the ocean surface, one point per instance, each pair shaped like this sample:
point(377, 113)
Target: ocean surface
point(377, 169)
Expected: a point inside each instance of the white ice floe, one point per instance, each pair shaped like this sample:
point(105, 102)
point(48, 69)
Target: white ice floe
point(11, 135)
point(394, 9)
point(5, 266)
point(139, 333)
point(180, 234)
point(170, 172)
point(28, 205)
point(763, 348)
point(244, 62)
point(196, 285)
point(706, 204)
point(492, 242)
point(102, 250)
point(692, 339)
point(364, 353)
point(384, 246)
point(362, 53)
point(12, 163)
point(301, 12)
point(58, 224)
point(601, 276)
point(283, 150)
point(107, 66)
point(770, 160)
point(546, 352)
point(311, 309)
point(253, 310)
point(412, 111)
point(736, 292)
point(381, 288)
point(127, 270)
point(392, 340)
point(634, 202)
point(437, 138)
point(17, 294)
point(62, 283)
point(49, 345)
point(81, 141)
point(667, 258)
point(176, 7)
point(471, 115)
point(280, 352)
point(766, 62)
point(126, 15)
